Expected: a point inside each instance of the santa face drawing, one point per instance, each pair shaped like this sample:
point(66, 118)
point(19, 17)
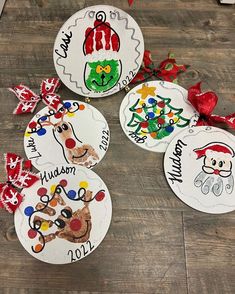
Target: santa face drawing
point(216, 174)
point(103, 68)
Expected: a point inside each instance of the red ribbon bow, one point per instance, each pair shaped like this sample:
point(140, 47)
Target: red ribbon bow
point(29, 100)
point(10, 198)
point(204, 103)
point(168, 69)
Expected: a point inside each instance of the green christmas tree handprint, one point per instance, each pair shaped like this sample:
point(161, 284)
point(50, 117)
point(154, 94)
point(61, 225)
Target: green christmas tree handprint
point(156, 117)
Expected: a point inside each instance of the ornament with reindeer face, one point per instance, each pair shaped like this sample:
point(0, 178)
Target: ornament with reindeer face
point(66, 216)
point(199, 166)
point(77, 133)
point(98, 51)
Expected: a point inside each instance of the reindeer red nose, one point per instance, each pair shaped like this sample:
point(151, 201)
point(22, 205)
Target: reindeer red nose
point(216, 172)
point(75, 224)
point(70, 143)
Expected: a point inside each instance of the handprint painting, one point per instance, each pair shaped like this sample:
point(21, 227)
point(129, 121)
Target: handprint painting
point(152, 113)
point(199, 167)
point(77, 133)
point(216, 175)
point(103, 70)
point(98, 51)
point(65, 216)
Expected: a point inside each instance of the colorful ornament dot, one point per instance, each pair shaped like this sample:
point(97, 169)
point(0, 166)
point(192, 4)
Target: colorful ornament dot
point(41, 132)
point(42, 191)
point(72, 194)
point(63, 183)
point(151, 101)
point(53, 187)
point(38, 248)
point(153, 135)
point(53, 203)
point(161, 104)
point(151, 114)
point(44, 226)
point(170, 114)
point(67, 105)
point(144, 124)
point(100, 196)
point(70, 143)
point(139, 110)
point(27, 134)
point(32, 233)
point(81, 107)
point(32, 125)
point(58, 115)
point(141, 102)
point(28, 210)
point(43, 118)
point(83, 184)
point(70, 114)
point(169, 129)
point(161, 120)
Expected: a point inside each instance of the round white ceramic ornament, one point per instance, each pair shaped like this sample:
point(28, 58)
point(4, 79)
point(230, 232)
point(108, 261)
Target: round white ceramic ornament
point(77, 133)
point(199, 166)
point(98, 51)
point(65, 215)
point(152, 113)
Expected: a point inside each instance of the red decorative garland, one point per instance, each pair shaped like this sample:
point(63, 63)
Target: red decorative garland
point(29, 100)
point(10, 198)
point(168, 69)
point(204, 103)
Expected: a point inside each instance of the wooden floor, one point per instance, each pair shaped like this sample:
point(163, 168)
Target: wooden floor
point(156, 244)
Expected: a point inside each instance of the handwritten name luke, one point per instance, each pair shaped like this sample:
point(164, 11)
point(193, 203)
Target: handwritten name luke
point(176, 173)
point(33, 148)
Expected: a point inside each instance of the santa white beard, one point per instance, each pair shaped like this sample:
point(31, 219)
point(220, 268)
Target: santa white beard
point(214, 183)
point(222, 173)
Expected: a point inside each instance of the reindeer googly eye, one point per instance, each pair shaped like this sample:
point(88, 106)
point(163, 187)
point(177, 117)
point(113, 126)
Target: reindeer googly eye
point(66, 213)
point(65, 126)
point(59, 223)
point(59, 130)
point(37, 224)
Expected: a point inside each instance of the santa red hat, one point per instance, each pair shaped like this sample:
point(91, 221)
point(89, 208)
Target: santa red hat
point(100, 40)
point(215, 150)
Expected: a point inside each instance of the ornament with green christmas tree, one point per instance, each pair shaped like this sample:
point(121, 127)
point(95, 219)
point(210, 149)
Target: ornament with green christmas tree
point(156, 117)
point(152, 113)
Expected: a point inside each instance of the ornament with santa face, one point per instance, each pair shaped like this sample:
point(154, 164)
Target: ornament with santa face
point(98, 51)
point(199, 166)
